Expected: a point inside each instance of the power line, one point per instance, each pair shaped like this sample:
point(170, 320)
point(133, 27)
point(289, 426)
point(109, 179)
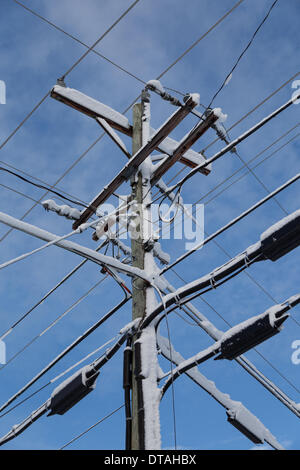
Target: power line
point(99, 40)
point(230, 325)
point(102, 135)
point(252, 110)
point(239, 170)
point(71, 36)
point(233, 144)
point(50, 292)
point(200, 38)
point(53, 323)
point(65, 352)
point(243, 53)
point(48, 185)
point(51, 381)
point(67, 73)
point(233, 221)
point(91, 427)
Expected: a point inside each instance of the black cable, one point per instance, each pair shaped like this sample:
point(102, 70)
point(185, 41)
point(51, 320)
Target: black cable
point(230, 325)
point(127, 384)
point(233, 222)
point(65, 352)
point(91, 427)
point(41, 186)
point(242, 54)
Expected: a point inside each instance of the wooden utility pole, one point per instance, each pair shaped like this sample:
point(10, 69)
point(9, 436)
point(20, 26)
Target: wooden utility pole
point(138, 287)
point(143, 435)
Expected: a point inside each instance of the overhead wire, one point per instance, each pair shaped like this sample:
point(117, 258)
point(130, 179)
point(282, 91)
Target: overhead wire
point(53, 323)
point(218, 185)
point(68, 72)
point(102, 135)
point(91, 427)
point(243, 53)
point(233, 221)
point(57, 377)
point(74, 38)
point(230, 325)
point(252, 110)
point(50, 292)
point(65, 352)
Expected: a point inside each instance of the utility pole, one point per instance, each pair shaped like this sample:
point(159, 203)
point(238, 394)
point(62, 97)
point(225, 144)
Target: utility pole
point(142, 295)
point(141, 371)
point(144, 432)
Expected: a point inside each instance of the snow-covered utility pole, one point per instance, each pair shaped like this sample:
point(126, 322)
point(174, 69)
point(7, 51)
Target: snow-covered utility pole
point(150, 301)
point(145, 394)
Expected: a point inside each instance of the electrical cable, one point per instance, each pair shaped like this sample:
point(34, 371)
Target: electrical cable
point(103, 134)
point(41, 186)
point(91, 427)
point(59, 284)
point(230, 325)
point(71, 36)
point(53, 323)
point(233, 222)
point(243, 53)
point(56, 378)
point(48, 185)
point(64, 353)
point(67, 73)
point(252, 110)
point(239, 170)
point(234, 143)
point(98, 40)
point(95, 366)
point(236, 5)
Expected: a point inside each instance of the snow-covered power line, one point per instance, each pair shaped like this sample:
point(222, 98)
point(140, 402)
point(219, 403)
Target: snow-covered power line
point(275, 242)
point(207, 325)
point(244, 420)
point(50, 292)
point(57, 377)
point(236, 340)
point(72, 390)
point(74, 247)
point(233, 222)
point(235, 142)
point(65, 352)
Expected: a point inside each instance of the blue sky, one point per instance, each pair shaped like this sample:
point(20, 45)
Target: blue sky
point(146, 42)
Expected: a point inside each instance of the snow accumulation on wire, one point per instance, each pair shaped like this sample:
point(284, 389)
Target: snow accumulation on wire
point(279, 225)
point(155, 85)
point(235, 409)
point(63, 210)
